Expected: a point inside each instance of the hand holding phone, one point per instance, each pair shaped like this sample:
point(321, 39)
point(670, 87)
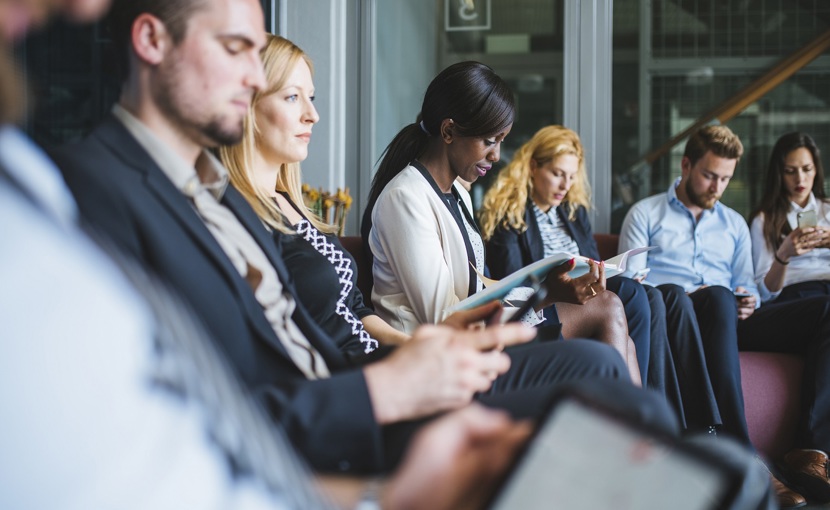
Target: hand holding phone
point(745, 301)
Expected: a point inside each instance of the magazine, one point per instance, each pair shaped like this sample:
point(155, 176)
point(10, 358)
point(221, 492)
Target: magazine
point(499, 289)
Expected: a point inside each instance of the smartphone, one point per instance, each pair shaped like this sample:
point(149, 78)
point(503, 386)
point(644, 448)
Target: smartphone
point(740, 295)
point(641, 273)
point(641, 468)
point(807, 219)
point(538, 295)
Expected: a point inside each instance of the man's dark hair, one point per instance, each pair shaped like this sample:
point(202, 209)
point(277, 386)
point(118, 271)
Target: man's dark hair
point(173, 13)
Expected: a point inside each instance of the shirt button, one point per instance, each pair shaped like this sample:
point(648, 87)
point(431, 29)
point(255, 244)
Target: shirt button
point(344, 465)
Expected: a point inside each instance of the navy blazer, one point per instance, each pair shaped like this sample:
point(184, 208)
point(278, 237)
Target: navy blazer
point(122, 193)
point(508, 250)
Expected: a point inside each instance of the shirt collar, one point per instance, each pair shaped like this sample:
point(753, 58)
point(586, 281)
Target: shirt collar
point(550, 215)
point(811, 205)
point(182, 174)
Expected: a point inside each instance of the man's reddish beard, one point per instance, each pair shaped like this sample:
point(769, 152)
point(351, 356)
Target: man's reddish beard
point(700, 200)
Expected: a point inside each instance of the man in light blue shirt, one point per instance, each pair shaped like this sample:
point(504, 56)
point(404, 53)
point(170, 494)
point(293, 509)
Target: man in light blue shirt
point(703, 267)
point(688, 257)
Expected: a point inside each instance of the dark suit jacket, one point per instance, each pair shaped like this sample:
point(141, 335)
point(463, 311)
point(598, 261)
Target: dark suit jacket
point(508, 250)
point(124, 194)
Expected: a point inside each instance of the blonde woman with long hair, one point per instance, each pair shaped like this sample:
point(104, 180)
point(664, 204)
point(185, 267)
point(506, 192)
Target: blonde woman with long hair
point(539, 205)
point(265, 168)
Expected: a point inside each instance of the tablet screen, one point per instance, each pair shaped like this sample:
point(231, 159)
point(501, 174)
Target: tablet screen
point(581, 458)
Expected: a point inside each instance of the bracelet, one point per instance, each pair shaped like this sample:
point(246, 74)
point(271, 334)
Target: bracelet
point(779, 260)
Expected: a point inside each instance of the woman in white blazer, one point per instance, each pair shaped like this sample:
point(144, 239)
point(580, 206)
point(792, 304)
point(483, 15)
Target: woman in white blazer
point(419, 224)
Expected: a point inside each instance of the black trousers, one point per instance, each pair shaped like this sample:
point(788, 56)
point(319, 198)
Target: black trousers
point(811, 288)
point(539, 371)
point(645, 312)
point(801, 326)
point(699, 407)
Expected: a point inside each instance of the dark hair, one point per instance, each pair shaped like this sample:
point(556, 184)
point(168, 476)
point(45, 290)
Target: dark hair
point(478, 101)
point(718, 139)
point(775, 202)
point(173, 13)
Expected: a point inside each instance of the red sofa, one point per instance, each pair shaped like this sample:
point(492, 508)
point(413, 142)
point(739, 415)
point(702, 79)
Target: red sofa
point(771, 381)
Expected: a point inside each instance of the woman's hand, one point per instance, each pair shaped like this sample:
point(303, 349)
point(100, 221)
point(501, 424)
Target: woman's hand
point(562, 288)
point(823, 237)
point(799, 242)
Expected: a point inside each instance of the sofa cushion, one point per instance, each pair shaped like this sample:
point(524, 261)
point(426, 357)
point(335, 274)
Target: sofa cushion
point(772, 387)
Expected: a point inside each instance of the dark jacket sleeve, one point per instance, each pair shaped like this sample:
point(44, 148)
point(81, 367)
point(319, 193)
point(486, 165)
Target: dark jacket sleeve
point(504, 252)
point(584, 235)
point(581, 231)
point(330, 421)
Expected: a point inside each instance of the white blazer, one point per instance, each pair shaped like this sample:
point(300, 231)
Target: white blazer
point(420, 264)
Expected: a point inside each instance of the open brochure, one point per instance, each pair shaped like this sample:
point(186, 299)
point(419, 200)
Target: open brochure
point(499, 289)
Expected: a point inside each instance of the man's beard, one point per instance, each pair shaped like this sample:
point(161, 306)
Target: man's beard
point(210, 132)
point(222, 135)
point(704, 201)
point(207, 131)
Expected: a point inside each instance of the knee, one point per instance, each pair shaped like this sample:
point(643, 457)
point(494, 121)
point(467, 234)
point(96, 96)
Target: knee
point(718, 297)
point(675, 297)
point(612, 309)
point(671, 291)
point(626, 288)
point(632, 294)
point(655, 299)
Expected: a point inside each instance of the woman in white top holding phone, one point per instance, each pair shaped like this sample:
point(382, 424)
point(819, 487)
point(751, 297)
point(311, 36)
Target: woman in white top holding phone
point(791, 228)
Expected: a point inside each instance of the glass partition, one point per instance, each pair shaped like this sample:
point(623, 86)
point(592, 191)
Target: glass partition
point(675, 60)
point(521, 39)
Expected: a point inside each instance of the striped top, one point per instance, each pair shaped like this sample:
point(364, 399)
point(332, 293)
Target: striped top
point(555, 236)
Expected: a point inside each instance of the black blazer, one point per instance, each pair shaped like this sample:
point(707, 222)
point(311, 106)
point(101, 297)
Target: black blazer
point(123, 193)
point(508, 250)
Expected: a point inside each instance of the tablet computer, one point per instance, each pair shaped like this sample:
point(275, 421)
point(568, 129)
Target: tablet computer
point(584, 456)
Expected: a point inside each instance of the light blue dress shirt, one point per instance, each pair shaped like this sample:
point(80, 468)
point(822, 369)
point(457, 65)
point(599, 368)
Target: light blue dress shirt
point(712, 250)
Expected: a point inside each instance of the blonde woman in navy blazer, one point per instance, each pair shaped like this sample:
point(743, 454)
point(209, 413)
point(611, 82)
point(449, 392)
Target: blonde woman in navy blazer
point(546, 181)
